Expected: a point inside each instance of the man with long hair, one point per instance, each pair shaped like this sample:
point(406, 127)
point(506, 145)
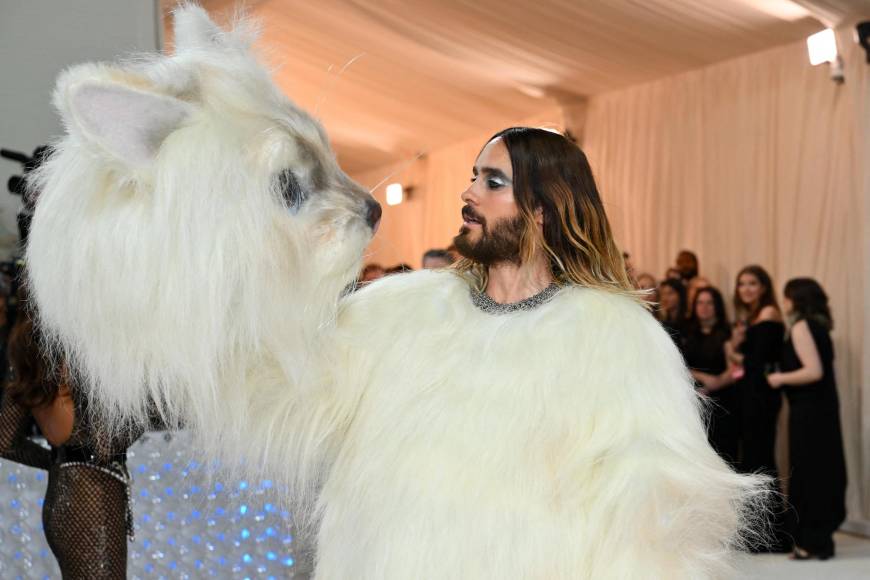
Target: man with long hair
point(558, 434)
point(524, 225)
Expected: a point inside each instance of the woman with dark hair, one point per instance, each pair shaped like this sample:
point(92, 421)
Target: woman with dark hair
point(692, 287)
point(756, 344)
point(86, 515)
point(707, 333)
point(817, 489)
point(672, 308)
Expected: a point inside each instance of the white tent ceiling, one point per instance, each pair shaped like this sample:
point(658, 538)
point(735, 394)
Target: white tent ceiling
point(425, 73)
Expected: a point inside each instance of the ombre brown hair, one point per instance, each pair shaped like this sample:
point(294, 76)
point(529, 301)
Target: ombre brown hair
point(552, 174)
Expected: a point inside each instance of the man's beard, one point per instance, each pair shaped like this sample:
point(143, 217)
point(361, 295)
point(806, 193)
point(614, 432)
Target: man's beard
point(498, 244)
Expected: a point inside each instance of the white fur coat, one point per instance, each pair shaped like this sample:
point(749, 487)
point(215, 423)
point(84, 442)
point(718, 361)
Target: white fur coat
point(564, 442)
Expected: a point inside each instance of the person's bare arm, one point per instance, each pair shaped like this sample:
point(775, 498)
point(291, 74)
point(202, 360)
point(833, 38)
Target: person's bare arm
point(811, 364)
point(712, 382)
point(732, 355)
point(726, 377)
point(55, 419)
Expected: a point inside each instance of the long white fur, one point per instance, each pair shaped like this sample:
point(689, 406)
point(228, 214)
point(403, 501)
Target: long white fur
point(561, 443)
point(166, 279)
point(434, 440)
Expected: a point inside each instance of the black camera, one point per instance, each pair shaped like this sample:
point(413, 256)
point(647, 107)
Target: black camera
point(17, 184)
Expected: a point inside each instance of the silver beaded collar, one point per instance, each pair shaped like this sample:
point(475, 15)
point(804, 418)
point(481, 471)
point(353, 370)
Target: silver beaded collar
point(486, 304)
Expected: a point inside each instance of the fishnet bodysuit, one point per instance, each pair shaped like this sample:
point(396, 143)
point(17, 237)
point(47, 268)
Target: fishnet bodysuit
point(86, 513)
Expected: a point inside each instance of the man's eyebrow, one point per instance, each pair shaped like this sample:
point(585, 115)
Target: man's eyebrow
point(492, 171)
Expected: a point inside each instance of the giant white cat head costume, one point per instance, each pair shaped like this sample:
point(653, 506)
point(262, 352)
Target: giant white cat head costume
point(188, 189)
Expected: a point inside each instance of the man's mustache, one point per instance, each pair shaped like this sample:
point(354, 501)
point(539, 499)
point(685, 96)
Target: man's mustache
point(468, 214)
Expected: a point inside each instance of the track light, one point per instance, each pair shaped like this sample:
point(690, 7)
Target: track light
point(395, 194)
point(822, 47)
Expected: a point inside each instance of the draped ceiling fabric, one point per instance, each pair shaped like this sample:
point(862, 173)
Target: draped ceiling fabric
point(704, 123)
point(430, 73)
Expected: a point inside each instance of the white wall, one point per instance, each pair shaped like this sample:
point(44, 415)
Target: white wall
point(38, 39)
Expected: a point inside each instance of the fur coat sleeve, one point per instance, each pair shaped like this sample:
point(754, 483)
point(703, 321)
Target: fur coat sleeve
point(633, 456)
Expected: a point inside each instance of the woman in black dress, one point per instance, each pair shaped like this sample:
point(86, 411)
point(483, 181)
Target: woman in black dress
point(756, 345)
point(86, 515)
point(817, 490)
point(704, 347)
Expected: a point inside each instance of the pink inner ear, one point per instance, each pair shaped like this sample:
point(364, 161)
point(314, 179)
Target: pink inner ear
point(129, 124)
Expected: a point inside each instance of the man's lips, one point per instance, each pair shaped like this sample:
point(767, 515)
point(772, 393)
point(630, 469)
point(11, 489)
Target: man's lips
point(469, 218)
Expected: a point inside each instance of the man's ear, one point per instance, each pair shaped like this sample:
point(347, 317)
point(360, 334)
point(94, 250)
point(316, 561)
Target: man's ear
point(539, 216)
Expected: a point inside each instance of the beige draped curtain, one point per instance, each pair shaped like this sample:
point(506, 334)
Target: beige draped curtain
point(762, 159)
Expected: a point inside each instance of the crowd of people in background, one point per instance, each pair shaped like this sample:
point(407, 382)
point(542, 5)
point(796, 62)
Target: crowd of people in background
point(744, 367)
point(432, 260)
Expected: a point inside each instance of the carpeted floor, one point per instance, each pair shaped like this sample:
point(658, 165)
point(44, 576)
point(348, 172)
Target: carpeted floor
point(851, 563)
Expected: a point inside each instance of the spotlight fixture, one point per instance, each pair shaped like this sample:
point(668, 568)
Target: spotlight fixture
point(396, 193)
point(822, 47)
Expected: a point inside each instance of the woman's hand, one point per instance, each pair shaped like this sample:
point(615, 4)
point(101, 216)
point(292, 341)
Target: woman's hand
point(711, 382)
point(775, 380)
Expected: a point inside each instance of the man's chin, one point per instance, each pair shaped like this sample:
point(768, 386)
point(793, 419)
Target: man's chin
point(465, 241)
point(469, 248)
point(488, 247)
